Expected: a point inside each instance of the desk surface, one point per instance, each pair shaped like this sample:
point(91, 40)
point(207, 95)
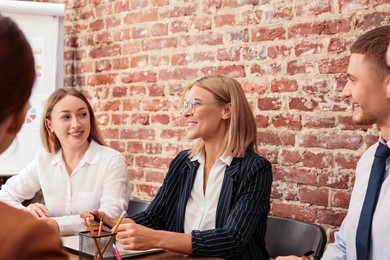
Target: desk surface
point(158, 256)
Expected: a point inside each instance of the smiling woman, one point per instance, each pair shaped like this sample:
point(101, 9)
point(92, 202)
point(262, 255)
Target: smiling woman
point(76, 172)
point(215, 198)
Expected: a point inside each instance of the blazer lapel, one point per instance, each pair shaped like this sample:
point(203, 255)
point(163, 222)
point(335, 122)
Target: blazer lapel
point(227, 192)
point(189, 174)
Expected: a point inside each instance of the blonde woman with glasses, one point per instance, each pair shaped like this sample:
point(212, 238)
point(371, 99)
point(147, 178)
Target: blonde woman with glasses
point(215, 198)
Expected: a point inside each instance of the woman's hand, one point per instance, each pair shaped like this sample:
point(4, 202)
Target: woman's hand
point(38, 210)
point(137, 237)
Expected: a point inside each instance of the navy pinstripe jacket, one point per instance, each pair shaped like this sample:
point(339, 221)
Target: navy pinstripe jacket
point(242, 210)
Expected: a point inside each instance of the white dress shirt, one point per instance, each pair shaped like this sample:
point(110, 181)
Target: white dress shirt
point(99, 181)
point(344, 246)
point(202, 206)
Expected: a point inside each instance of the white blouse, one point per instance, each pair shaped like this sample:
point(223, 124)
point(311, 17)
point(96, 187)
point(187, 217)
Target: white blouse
point(99, 181)
point(202, 206)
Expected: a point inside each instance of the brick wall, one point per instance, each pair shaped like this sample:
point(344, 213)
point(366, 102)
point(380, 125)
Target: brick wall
point(133, 58)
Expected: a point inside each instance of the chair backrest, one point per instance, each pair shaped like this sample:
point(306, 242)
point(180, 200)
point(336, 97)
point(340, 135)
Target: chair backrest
point(292, 237)
point(136, 206)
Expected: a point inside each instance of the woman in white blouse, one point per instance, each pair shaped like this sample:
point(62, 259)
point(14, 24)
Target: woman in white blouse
point(76, 171)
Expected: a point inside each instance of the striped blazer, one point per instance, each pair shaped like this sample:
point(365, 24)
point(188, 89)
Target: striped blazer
point(242, 210)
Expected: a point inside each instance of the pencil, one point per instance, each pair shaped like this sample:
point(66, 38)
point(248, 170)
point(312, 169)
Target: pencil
point(114, 230)
point(94, 239)
point(117, 254)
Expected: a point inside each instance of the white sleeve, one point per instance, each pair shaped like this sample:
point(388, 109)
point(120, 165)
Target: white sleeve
point(116, 188)
point(337, 250)
point(21, 187)
point(69, 225)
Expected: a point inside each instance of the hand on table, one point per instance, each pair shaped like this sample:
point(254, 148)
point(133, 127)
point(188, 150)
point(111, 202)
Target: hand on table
point(38, 210)
point(136, 237)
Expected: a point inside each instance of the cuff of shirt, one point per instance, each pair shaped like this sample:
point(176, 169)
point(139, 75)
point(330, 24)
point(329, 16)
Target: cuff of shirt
point(69, 225)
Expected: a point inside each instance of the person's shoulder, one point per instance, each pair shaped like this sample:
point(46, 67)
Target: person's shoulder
point(255, 157)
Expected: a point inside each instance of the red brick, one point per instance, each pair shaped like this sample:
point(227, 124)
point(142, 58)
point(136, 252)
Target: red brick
point(331, 217)
point(138, 4)
point(209, 38)
point(141, 76)
point(202, 23)
point(119, 92)
point(119, 119)
point(315, 7)
point(261, 121)
point(178, 11)
point(308, 48)
point(139, 32)
point(112, 22)
point(102, 65)
point(315, 86)
point(333, 66)
point(153, 148)
point(204, 56)
point(122, 35)
point(121, 6)
point(279, 51)
point(269, 153)
point(292, 122)
point(273, 138)
point(101, 79)
point(159, 29)
point(370, 140)
point(181, 59)
point(278, 14)
point(178, 135)
point(230, 54)
point(269, 103)
point(307, 214)
point(255, 53)
point(237, 3)
point(303, 104)
point(140, 119)
point(346, 161)
point(331, 141)
point(156, 105)
point(146, 190)
point(314, 196)
point(157, 60)
point(284, 85)
point(178, 74)
point(118, 145)
point(179, 26)
point(251, 86)
point(346, 123)
point(156, 91)
point(110, 133)
point(317, 160)
point(226, 19)
point(324, 27)
point(234, 71)
point(298, 67)
point(141, 17)
point(160, 119)
point(285, 191)
point(371, 20)
point(139, 61)
point(317, 121)
point(161, 43)
point(120, 63)
point(155, 176)
point(173, 149)
point(290, 157)
point(97, 25)
point(341, 199)
point(266, 68)
point(337, 45)
point(332, 179)
point(148, 134)
point(268, 34)
point(137, 91)
point(159, 2)
point(249, 17)
point(105, 51)
point(129, 105)
point(238, 35)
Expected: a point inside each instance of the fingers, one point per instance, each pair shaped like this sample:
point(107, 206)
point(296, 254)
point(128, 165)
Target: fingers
point(38, 210)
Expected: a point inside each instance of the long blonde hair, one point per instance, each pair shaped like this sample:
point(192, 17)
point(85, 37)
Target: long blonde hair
point(241, 132)
point(49, 140)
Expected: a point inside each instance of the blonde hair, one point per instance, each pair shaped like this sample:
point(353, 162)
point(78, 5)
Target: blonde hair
point(241, 132)
point(50, 141)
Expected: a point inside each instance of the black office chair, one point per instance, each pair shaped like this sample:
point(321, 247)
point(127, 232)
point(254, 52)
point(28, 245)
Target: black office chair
point(292, 237)
point(136, 206)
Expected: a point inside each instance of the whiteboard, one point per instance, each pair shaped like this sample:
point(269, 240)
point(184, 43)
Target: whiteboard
point(43, 25)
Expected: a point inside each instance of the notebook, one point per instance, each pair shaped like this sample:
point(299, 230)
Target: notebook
point(71, 243)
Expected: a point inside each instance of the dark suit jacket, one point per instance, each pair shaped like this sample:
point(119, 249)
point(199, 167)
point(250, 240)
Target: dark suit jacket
point(22, 237)
point(242, 210)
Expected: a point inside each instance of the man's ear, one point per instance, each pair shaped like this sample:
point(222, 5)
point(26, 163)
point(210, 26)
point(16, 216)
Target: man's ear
point(17, 119)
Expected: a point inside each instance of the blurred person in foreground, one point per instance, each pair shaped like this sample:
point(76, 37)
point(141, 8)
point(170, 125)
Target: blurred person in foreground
point(22, 236)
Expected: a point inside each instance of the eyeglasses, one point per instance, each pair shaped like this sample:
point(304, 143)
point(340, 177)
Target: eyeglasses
point(193, 103)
